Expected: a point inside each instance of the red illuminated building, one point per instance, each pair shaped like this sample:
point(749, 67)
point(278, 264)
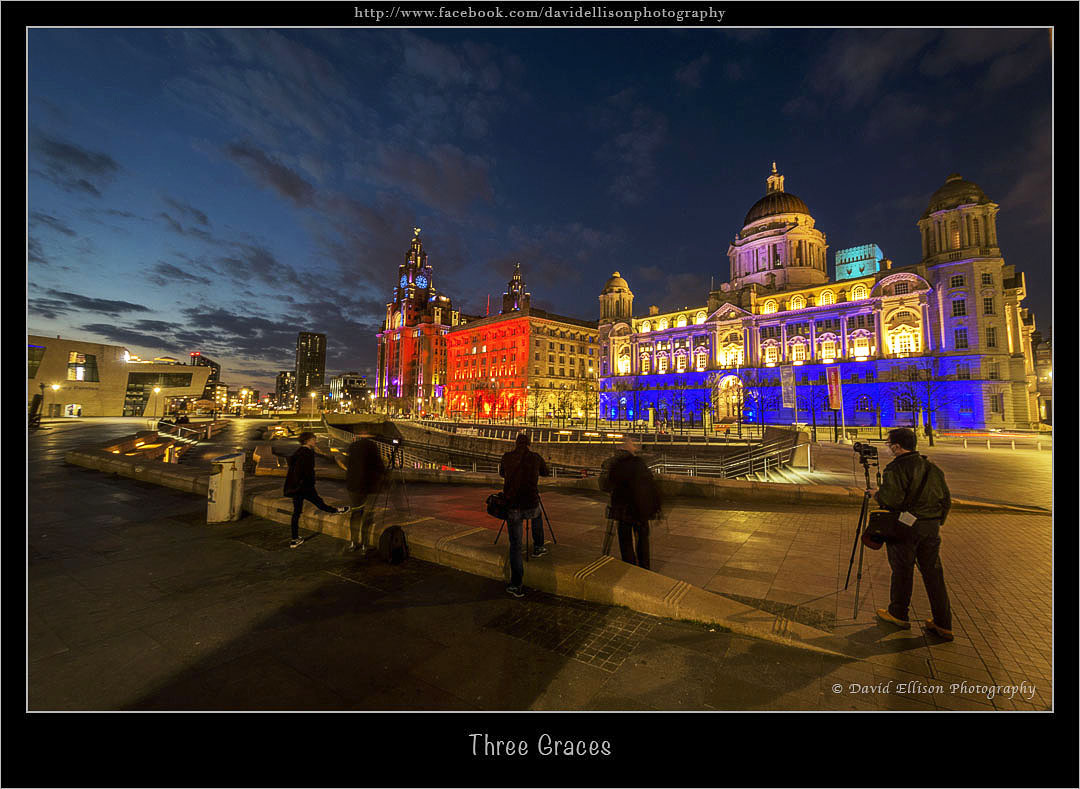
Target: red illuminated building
point(411, 372)
point(522, 363)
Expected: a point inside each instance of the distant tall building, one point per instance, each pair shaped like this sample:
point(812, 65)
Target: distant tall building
point(310, 362)
point(199, 360)
point(516, 297)
point(285, 388)
point(412, 344)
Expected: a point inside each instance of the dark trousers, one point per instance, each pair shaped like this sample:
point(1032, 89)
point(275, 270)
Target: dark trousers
point(298, 507)
point(629, 534)
point(514, 521)
point(922, 545)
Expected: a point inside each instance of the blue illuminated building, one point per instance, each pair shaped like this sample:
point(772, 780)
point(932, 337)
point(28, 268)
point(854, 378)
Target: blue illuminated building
point(944, 341)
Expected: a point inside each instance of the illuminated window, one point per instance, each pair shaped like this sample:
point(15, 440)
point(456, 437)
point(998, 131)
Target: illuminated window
point(959, 307)
point(900, 288)
point(858, 292)
point(963, 372)
point(624, 365)
point(956, 281)
point(680, 321)
point(700, 317)
point(862, 346)
point(663, 324)
point(988, 305)
point(828, 349)
point(991, 337)
point(798, 352)
point(902, 344)
point(645, 364)
point(960, 338)
point(645, 326)
point(827, 297)
point(863, 403)
point(768, 307)
point(680, 364)
point(701, 360)
point(661, 365)
point(733, 357)
point(771, 354)
point(954, 233)
point(975, 229)
point(987, 279)
point(797, 302)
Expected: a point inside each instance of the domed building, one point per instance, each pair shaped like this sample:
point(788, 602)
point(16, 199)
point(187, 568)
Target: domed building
point(941, 342)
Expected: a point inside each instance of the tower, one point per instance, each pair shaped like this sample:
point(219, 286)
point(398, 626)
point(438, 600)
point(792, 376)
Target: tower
point(516, 297)
point(616, 300)
point(960, 221)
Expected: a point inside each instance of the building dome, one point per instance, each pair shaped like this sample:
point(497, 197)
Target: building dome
point(955, 192)
point(775, 203)
point(616, 283)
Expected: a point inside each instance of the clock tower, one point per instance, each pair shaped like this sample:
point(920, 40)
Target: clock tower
point(412, 347)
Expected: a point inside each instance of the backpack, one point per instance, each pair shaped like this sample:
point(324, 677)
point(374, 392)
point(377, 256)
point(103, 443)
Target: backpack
point(393, 548)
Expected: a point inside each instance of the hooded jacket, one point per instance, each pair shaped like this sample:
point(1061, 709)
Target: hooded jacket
point(301, 475)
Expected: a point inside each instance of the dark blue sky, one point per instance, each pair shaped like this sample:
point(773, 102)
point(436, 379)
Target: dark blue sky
point(219, 190)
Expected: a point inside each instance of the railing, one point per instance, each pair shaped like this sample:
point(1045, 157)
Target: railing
point(757, 458)
point(764, 457)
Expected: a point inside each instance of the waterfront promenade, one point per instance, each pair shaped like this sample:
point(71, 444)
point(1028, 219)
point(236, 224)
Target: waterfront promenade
point(135, 603)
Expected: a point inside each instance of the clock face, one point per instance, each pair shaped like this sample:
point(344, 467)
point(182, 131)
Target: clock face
point(421, 282)
point(404, 280)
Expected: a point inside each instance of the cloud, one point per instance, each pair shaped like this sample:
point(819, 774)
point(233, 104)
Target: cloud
point(268, 172)
point(74, 301)
point(690, 74)
point(71, 167)
point(125, 336)
point(255, 261)
point(34, 252)
point(442, 176)
point(168, 275)
point(188, 211)
point(37, 218)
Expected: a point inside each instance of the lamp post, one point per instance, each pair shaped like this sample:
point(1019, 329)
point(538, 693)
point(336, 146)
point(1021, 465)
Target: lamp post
point(157, 391)
point(312, 394)
point(418, 400)
point(494, 402)
point(55, 388)
point(371, 402)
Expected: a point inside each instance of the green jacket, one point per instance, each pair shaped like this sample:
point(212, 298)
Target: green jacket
point(906, 473)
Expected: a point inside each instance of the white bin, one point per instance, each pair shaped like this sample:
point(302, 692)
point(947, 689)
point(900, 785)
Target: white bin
point(225, 495)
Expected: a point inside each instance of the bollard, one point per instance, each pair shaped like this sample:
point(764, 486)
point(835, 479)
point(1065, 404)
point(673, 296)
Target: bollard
point(965, 443)
point(988, 443)
point(1014, 444)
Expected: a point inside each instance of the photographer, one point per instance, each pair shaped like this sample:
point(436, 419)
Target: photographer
point(920, 528)
point(521, 470)
point(635, 499)
point(364, 475)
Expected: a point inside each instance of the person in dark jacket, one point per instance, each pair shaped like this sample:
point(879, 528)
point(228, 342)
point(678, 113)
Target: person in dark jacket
point(921, 540)
point(635, 500)
point(364, 474)
point(300, 485)
point(521, 470)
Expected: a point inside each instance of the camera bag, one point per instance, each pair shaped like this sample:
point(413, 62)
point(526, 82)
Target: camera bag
point(497, 506)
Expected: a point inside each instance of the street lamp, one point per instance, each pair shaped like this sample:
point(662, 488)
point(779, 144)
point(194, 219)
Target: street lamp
point(55, 388)
point(371, 399)
point(157, 391)
point(312, 404)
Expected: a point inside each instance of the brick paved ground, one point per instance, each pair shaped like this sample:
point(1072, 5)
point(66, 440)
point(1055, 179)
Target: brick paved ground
point(135, 602)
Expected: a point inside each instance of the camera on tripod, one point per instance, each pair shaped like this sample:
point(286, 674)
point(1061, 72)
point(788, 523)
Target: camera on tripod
point(867, 453)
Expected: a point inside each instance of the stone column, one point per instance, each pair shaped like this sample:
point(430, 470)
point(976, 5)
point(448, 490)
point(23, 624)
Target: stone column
point(783, 342)
point(927, 337)
point(879, 345)
point(813, 342)
point(843, 336)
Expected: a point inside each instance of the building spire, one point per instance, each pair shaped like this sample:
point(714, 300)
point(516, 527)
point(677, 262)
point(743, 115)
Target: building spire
point(775, 182)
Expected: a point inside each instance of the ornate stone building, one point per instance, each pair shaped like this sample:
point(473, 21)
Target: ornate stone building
point(522, 363)
point(943, 341)
point(411, 371)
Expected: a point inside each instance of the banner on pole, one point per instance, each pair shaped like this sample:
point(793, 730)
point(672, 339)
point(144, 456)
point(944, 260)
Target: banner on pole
point(833, 376)
point(787, 385)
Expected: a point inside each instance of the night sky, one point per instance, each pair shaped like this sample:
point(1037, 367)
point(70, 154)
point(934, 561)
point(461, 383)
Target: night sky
point(220, 190)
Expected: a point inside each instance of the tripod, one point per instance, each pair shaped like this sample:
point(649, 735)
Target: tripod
point(528, 531)
point(864, 517)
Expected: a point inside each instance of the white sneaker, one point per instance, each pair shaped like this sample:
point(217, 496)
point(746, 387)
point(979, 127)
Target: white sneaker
point(343, 510)
point(296, 543)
